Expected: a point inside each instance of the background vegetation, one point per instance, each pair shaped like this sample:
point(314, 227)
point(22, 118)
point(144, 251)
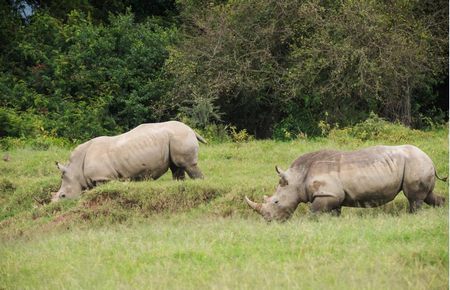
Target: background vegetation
point(79, 69)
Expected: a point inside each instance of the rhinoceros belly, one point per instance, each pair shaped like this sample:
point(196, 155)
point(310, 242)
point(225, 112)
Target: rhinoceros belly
point(371, 182)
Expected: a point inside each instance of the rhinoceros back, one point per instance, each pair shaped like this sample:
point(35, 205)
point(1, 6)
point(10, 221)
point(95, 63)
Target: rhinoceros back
point(377, 174)
point(374, 174)
point(146, 150)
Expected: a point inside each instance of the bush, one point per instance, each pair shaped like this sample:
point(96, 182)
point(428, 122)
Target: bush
point(376, 128)
point(240, 136)
point(41, 142)
point(215, 133)
point(80, 80)
point(19, 124)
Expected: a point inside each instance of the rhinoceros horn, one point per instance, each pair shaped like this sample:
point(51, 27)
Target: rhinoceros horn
point(254, 205)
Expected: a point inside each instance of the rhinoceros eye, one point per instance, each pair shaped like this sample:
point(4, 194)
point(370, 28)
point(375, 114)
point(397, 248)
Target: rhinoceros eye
point(283, 182)
point(62, 195)
point(276, 201)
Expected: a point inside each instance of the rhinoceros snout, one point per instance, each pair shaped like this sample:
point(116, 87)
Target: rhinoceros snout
point(57, 196)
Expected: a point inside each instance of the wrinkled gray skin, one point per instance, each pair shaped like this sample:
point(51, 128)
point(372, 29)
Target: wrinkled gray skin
point(365, 178)
point(147, 151)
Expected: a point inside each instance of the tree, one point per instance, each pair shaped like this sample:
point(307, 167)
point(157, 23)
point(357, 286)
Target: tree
point(234, 55)
point(296, 63)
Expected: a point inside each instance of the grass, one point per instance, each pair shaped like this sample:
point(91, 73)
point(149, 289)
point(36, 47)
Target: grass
point(381, 252)
point(199, 234)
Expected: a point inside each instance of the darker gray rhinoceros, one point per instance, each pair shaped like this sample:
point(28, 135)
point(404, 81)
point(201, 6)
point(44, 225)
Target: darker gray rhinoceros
point(147, 151)
point(365, 178)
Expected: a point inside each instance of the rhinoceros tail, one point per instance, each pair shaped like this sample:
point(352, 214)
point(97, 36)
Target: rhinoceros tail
point(440, 178)
point(200, 138)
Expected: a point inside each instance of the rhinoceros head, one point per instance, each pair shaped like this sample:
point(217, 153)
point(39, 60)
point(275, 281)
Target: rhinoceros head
point(70, 185)
point(282, 204)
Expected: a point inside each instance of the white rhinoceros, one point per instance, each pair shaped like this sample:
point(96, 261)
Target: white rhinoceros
point(146, 151)
point(365, 178)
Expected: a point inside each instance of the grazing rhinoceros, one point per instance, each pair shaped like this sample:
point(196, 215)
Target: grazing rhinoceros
point(365, 178)
point(147, 151)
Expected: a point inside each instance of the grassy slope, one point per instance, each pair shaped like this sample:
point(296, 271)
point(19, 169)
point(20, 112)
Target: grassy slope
point(192, 234)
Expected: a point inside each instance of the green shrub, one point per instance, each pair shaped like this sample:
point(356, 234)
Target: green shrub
point(40, 142)
point(287, 129)
point(215, 133)
point(376, 128)
point(240, 136)
point(19, 124)
point(7, 143)
point(80, 80)
point(45, 142)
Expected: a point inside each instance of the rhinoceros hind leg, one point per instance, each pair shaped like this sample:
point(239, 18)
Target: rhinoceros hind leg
point(177, 172)
point(194, 172)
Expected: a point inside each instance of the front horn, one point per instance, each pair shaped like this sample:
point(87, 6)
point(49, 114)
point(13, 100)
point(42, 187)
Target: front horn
point(254, 205)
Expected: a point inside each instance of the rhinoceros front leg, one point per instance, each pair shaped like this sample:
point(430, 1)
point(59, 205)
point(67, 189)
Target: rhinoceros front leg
point(336, 212)
point(326, 203)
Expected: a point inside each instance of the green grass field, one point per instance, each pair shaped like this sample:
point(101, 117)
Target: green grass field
point(200, 234)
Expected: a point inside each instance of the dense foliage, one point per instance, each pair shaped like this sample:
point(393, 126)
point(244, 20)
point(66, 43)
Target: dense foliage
point(78, 80)
point(80, 69)
point(294, 63)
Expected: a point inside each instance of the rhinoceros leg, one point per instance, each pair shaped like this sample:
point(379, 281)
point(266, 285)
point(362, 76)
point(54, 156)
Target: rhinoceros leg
point(414, 205)
point(336, 211)
point(177, 172)
point(419, 181)
point(194, 172)
point(329, 203)
point(419, 191)
point(434, 200)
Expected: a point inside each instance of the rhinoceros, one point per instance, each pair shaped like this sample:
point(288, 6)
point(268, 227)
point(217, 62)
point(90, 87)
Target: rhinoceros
point(146, 151)
point(365, 178)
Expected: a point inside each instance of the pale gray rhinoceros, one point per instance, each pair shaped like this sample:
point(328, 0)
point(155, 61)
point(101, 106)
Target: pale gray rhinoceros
point(365, 178)
point(147, 151)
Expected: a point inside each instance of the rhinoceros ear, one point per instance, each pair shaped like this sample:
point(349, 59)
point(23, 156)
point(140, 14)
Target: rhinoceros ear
point(282, 175)
point(279, 170)
point(61, 167)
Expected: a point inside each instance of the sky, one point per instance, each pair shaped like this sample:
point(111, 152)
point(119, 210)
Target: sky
point(24, 9)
